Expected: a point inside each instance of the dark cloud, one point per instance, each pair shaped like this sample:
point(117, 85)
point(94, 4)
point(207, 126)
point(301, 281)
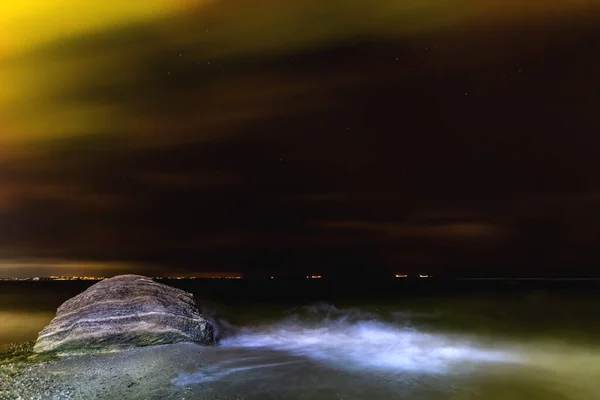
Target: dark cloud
point(459, 150)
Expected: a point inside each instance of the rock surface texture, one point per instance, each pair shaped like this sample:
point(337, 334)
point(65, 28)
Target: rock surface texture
point(122, 312)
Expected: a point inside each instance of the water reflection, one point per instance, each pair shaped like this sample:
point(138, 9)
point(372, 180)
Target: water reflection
point(19, 326)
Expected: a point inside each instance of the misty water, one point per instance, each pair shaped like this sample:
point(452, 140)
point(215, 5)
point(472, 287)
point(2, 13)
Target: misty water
point(433, 342)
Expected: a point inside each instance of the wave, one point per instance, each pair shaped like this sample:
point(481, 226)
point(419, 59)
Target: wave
point(356, 339)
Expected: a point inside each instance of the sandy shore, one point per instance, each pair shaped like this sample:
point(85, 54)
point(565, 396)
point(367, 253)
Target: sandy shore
point(181, 371)
point(143, 373)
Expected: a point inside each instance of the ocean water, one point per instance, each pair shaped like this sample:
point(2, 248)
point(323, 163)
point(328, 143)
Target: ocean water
point(440, 341)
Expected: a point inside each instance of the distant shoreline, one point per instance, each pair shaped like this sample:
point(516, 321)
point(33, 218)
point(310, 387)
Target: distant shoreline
point(324, 278)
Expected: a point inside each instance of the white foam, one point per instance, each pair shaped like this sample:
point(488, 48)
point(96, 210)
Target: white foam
point(216, 372)
point(355, 341)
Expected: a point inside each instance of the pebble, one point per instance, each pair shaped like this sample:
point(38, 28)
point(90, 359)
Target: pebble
point(18, 382)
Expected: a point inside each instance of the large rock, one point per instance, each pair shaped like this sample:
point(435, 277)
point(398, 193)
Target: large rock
point(121, 312)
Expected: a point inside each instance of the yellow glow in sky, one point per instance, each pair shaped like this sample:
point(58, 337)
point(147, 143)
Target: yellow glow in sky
point(29, 23)
point(35, 77)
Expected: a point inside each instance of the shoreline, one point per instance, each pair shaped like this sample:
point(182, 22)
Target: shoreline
point(137, 373)
point(234, 371)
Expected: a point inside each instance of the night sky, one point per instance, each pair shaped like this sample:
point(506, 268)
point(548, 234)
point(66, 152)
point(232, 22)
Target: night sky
point(162, 137)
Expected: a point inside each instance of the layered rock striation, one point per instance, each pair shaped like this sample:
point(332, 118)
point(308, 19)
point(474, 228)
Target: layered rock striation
point(122, 312)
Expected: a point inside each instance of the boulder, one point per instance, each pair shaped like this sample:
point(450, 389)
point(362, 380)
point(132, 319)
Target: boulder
point(122, 312)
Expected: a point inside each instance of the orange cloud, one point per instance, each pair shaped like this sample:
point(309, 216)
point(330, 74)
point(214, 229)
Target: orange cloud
point(45, 267)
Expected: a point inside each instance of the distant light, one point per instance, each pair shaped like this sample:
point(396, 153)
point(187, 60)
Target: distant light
point(401, 276)
point(423, 276)
point(313, 277)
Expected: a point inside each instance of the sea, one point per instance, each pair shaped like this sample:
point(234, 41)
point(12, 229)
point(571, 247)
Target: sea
point(418, 339)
